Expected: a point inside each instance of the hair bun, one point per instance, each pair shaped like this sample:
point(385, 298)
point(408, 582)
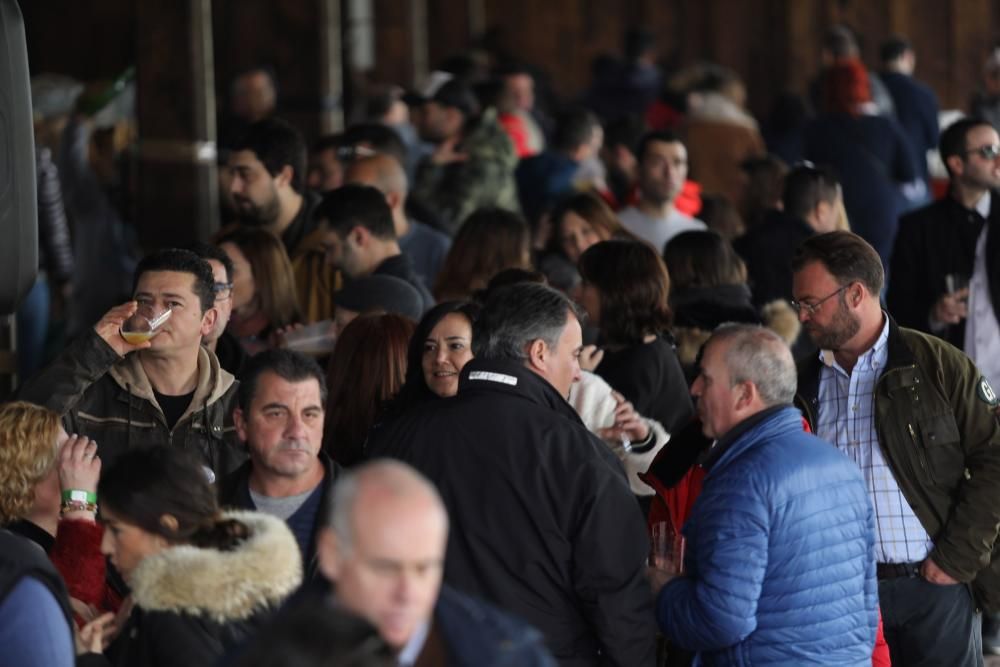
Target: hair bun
point(220, 533)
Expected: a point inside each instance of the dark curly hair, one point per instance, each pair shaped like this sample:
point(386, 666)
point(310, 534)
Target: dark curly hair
point(634, 286)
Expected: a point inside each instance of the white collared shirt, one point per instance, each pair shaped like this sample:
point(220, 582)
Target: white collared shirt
point(982, 331)
point(847, 419)
point(408, 656)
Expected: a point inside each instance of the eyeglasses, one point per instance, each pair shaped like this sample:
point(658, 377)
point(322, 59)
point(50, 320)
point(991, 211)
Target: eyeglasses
point(987, 152)
point(222, 290)
point(813, 308)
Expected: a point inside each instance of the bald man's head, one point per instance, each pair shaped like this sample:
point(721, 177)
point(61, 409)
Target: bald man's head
point(385, 546)
point(377, 484)
point(380, 171)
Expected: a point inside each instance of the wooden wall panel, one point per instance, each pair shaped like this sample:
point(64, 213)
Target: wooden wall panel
point(283, 35)
point(971, 31)
point(774, 44)
point(393, 41)
point(928, 30)
point(87, 40)
point(448, 28)
point(177, 198)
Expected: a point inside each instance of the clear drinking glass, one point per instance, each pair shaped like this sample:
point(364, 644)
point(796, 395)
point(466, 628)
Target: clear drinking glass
point(143, 325)
point(316, 339)
point(955, 282)
point(666, 550)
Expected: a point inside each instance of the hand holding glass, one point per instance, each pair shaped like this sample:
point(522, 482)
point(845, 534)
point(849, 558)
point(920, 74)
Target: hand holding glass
point(144, 324)
point(666, 548)
point(956, 282)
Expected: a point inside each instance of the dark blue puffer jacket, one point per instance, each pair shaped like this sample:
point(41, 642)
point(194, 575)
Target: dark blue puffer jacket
point(780, 554)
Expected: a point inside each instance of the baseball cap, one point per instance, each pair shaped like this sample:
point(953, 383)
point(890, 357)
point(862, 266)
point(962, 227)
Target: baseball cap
point(381, 292)
point(446, 90)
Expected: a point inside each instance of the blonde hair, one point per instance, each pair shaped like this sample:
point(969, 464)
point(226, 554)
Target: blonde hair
point(28, 435)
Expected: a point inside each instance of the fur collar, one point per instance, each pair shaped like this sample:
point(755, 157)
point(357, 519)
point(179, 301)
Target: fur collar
point(224, 586)
point(777, 316)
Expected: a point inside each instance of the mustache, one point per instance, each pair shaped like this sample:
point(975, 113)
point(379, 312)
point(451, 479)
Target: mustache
point(294, 446)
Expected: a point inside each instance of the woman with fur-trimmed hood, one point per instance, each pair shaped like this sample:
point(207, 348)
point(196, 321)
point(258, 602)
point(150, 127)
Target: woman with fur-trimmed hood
point(202, 581)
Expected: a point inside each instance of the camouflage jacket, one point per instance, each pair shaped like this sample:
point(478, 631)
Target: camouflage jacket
point(484, 178)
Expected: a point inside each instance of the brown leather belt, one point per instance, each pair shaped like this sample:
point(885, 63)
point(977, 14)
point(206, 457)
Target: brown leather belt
point(896, 570)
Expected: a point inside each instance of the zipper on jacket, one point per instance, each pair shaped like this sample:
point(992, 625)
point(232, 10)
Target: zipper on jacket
point(909, 426)
point(919, 450)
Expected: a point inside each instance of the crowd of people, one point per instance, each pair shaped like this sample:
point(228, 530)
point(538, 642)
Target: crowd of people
point(632, 381)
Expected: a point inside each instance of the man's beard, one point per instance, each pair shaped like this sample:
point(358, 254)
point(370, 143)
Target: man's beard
point(257, 215)
point(659, 193)
point(841, 329)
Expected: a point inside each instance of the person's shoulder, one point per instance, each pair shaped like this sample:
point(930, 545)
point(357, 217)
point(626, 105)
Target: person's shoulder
point(232, 486)
point(871, 122)
point(478, 632)
point(425, 234)
point(694, 223)
point(934, 213)
point(488, 139)
point(400, 431)
point(937, 357)
point(773, 226)
point(631, 214)
point(637, 354)
point(532, 163)
point(923, 92)
point(922, 344)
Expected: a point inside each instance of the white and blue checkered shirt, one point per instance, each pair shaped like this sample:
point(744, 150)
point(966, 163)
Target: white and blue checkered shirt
point(847, 419)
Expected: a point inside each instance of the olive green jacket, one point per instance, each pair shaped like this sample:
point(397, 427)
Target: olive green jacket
point(934, 414)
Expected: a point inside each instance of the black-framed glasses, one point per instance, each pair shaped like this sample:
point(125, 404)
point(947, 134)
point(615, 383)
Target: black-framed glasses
point(987, 152)
point(813, 308)
point(222, 290)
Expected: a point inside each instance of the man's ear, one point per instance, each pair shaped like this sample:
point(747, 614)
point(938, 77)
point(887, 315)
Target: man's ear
point(240, 422)
point(361, 236)
point(328, 553)
point(455, 116)
point(538, 354)
point(856, 294)
point(746, 392)
point(956, 165)
point(393, 199)
point(208, 320)
point(284, 177)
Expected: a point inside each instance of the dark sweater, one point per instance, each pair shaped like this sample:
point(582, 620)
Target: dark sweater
point(650, 376)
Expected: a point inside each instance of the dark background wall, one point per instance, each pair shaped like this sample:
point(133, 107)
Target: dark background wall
point(186, 52)
point(772, 43)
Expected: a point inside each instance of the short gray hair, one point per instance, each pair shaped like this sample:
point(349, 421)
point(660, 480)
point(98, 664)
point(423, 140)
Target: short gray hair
point(758, 355)
point(394, 477)
point(515, 315)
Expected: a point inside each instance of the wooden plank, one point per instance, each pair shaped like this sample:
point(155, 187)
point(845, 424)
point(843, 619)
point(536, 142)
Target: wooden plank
point(393, 41)
point(177, 199)
point(971, 31)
